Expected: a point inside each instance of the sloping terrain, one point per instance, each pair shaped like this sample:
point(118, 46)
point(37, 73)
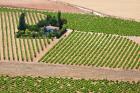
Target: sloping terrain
point(96, 49)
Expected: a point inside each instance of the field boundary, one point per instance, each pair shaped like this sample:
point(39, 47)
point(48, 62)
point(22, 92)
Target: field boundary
point(51, 45)
point(57, 70)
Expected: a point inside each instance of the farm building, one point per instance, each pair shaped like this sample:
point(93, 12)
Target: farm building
point(51, 28)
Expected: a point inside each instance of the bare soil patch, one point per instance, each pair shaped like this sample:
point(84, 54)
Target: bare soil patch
point(57, 70)
point(50, 5)
point(135, 39)
point(121, 8)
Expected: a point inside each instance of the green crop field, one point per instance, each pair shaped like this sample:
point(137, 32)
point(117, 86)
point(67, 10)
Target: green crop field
point(64, 85)
point(110, 25)
point(80, 48)
point(95, 41)
point(95, 49)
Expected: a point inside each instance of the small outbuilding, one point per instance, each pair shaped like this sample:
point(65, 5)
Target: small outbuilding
point(51, 28)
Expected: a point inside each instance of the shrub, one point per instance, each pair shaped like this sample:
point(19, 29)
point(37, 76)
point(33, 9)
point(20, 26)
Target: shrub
point(58, 34)
point(19, 33)
point(42, 23)
point(33, 28)
point(34, 34)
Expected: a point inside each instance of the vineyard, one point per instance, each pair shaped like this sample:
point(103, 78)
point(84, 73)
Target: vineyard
point(80, 48)
point(94, 49)
point(64, 85)
point(92, 41)
point(19, 49)
point(108, 25)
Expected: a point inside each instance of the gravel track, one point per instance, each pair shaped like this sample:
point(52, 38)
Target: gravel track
point(57, 70)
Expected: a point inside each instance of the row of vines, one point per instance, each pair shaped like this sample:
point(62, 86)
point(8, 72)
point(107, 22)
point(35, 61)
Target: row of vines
point(18, 49)
point(64, 85)
point(94, 49)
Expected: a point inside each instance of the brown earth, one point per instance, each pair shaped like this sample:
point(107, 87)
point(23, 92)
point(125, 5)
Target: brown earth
point(56, 70)
point(120, 8)
point(135, 39)
point(40, 4)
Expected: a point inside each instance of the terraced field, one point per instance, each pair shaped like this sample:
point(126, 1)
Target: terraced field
point(95, 49)
point(13, 49)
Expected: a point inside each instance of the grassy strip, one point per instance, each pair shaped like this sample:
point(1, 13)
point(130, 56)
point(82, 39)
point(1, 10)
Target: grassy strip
point(21, 50)
point(33, 47)
point(8, 13)
point(6, 26)
point(26, 53)
point(3, 45)
point(29, 48)
point(14, 25)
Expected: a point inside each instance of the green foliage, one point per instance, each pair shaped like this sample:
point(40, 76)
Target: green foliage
point(64, 85)
point(53, 21)
point(19, 34)
point(22, 23)
point(95, 49)
point(92, 23)
point(59, 20)
point(34, 34)
point(42, 23)
point(33, 28)
point(39, 27)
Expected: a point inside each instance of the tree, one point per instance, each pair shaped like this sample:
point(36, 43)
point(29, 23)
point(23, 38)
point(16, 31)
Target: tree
point(42, 23)
point(59, 23)
point(22, 23)
point(53, 21)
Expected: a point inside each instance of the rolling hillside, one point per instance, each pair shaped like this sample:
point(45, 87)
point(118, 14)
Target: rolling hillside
point(95, 49)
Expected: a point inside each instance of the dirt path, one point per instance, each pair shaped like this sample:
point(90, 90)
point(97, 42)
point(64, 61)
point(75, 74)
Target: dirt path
point(46, 70)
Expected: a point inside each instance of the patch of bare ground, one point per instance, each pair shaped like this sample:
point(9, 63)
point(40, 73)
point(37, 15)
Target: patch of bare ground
point(50, 5)
point(127, 9)
point(134, 38)
point(56, 70)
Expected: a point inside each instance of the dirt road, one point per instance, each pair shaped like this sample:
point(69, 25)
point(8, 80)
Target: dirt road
point(120, 8)
point(46, 70)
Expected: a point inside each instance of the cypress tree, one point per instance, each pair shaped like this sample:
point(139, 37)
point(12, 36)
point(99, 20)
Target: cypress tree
point(59, 20)
point(22, 23)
